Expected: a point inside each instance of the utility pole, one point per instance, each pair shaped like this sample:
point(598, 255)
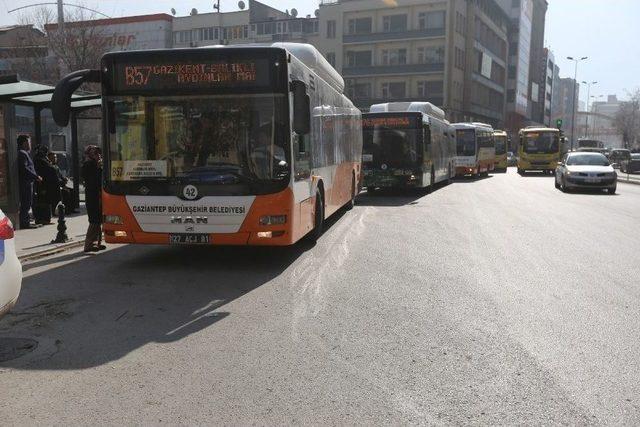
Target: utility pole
point(575, 102)
point(586, 116)
point(60, 16)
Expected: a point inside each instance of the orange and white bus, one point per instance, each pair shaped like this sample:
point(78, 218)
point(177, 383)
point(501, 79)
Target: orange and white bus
point(252, 145)
point(476, 149)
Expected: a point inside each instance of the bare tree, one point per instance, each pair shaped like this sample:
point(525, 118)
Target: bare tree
point(78, 45)
point(627, 120)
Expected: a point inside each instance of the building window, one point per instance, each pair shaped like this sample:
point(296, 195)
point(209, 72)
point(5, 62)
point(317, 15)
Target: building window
point(358, 90)
point(461, 24)
point(511, 95)
point(459, 60)
point(396, 90)
point(246, 31)
point(360, 26)
point(394, 23)
point(431, 55)
point(331, 29)
point(331, 58)
point(394, 56)
point(431, 89)
point(359, 59)
point(431, 20)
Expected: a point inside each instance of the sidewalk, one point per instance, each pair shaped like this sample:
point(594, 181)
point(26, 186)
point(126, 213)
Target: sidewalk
point(633, 178)
point(36, 243)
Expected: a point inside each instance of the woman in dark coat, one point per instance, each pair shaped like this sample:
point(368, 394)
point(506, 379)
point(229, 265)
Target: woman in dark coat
point(48, 190)
point(92, 177)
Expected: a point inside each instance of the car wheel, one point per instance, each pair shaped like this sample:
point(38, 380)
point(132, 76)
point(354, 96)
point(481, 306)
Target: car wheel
point(555, 181)
point(563, 185)
point(521, 171)
point(612, 190)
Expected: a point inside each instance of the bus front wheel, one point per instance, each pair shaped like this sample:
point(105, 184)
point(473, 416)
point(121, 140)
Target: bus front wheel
point(318, 223)
point(521, 171)
point(351, 203)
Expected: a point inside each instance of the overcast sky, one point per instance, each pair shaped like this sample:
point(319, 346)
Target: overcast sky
point(607, 31)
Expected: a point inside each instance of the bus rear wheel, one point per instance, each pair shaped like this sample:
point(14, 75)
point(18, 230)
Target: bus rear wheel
point(520, 171)
point(352, 202)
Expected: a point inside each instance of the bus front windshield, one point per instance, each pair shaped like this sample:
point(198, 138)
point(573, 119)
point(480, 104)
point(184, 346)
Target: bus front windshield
point(209, 139)
point(396, 148)
point(541, 143)
point(501, 145)
point(466, 142)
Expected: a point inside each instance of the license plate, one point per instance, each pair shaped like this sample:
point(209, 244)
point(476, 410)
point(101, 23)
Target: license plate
point(189, 239)
point(592, 180)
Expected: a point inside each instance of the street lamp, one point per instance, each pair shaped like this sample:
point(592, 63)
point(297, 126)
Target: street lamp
point(586, 115)
point(575, 92)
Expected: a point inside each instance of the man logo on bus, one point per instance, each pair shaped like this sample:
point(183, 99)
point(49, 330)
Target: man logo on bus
point(383, 167)
point(190, 192)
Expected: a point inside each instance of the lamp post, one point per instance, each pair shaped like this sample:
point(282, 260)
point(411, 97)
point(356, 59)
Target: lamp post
point(575, 92)
point(586, 116)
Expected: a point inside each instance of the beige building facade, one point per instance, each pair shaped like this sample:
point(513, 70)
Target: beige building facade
point(452, 53)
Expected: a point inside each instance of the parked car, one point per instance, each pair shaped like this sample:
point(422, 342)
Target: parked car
point(512, 160)
point(10, 268)
point(632, 165)
point(586, 170)
point(618, 155)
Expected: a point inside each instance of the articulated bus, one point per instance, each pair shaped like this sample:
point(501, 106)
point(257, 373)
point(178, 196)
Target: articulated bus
point(502, 141)
point(589, 143)
point(406, 145)
point(539, 149)
point(252, 145)
point(476, 150)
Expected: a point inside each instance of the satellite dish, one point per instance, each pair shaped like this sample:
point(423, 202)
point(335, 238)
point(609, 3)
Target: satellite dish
point(194, 11)
point(173, 11)
point(294, 12)
point(241, 5)
point(317, 12)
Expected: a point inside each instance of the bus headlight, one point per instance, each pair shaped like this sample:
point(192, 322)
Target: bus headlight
point(273, 220)
point(113, 219)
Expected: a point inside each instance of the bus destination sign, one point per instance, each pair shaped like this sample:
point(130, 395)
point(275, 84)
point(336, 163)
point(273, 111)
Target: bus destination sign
point(191, 75)
point(389, 122)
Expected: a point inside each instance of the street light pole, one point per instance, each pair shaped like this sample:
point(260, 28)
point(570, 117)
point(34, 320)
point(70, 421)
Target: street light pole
point(575, 92)
point(586, 115)
point(60, 15)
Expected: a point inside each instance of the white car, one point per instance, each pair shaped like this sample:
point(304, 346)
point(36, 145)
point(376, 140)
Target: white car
point(586, 170)
point(10, 267)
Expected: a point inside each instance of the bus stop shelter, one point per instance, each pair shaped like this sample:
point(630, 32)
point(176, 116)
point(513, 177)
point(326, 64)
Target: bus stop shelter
point(14, 92)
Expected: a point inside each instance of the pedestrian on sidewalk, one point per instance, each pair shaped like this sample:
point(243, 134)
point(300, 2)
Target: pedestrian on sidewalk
point(92, 176)
point(26, 177)
point(47, 190)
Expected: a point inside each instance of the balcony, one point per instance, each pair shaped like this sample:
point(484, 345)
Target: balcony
point(380, 70)
point(402, 35)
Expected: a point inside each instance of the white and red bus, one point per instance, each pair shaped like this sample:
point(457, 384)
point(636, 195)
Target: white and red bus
point(476, 149)
point(252, 145)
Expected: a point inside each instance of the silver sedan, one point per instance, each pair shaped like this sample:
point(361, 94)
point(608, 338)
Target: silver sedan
point(586, 170)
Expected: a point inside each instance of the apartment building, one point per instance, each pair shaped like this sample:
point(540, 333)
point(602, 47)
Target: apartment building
point(452, 53)
point(526, 62)
point(551, 79)
point(257, 24)
point(567, 105)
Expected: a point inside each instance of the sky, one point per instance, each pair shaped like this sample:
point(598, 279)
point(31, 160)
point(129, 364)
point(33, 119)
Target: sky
point(606, 31)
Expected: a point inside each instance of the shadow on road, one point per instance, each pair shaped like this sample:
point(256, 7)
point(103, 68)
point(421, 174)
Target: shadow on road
point(100, 308)
point(536, 175)
point(470, 179)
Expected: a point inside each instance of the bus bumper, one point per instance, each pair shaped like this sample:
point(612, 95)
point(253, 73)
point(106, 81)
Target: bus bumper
point(465, 170)
point(251, 232)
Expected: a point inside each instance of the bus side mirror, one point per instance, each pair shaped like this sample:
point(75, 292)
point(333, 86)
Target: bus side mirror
point(61, 98)
point(301, 108)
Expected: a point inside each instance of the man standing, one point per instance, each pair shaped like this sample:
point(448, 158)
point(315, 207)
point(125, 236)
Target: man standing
point(26, 177)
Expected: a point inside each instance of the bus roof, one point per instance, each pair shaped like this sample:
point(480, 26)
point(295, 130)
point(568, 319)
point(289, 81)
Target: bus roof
point(539, 129)
point(468, 125)
point(418, 107)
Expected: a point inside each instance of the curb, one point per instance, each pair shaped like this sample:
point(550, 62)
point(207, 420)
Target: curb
point(630, 181)
point(51, 251)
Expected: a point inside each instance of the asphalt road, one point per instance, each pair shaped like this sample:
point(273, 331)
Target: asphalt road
point(497, 301)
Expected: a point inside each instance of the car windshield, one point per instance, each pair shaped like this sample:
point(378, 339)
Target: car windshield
point(541, 142)
point(466, 142)
point(392, 147)
point(213, 139)
point(587, 160)
point(635, 157)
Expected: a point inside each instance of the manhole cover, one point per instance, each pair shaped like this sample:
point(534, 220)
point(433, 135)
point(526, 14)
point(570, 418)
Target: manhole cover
point(13, 348)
